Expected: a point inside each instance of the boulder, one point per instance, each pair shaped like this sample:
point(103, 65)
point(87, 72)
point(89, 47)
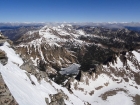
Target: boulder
point(58, 99)
point(28, 66)
point(3, 57)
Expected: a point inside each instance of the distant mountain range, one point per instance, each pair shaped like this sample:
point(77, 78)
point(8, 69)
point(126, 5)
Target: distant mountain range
point(15, 30)
point(109, 24)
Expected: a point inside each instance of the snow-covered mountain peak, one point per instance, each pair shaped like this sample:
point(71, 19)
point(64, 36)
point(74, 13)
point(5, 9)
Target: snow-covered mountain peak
point(59, 36)
point(61, 30)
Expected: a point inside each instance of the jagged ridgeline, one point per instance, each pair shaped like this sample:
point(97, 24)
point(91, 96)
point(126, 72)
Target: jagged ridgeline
point(73, 64)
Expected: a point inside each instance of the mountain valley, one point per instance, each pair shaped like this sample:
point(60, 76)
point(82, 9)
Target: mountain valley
point(70, 64)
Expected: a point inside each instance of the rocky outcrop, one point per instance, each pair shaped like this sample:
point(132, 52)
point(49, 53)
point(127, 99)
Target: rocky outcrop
point(57, 99)
point(31, 68)
point(2, 38)
point(6, 97)
point(28, 66)
point(3, 58)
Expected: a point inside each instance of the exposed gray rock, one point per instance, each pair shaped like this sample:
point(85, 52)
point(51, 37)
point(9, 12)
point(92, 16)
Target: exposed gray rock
point(28, 66)
point(47, 101)
point(58, 99)
point(2, 39)
point(32, 82)
point(42, 65)
point(3, 58)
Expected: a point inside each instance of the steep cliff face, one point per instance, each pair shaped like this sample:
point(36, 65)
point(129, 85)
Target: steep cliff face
point(51, 55)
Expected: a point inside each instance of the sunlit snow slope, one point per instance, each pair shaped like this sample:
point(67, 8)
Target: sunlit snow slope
point(21, 87)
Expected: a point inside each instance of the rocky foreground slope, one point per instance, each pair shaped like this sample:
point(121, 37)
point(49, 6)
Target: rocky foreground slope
point(73, 65)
